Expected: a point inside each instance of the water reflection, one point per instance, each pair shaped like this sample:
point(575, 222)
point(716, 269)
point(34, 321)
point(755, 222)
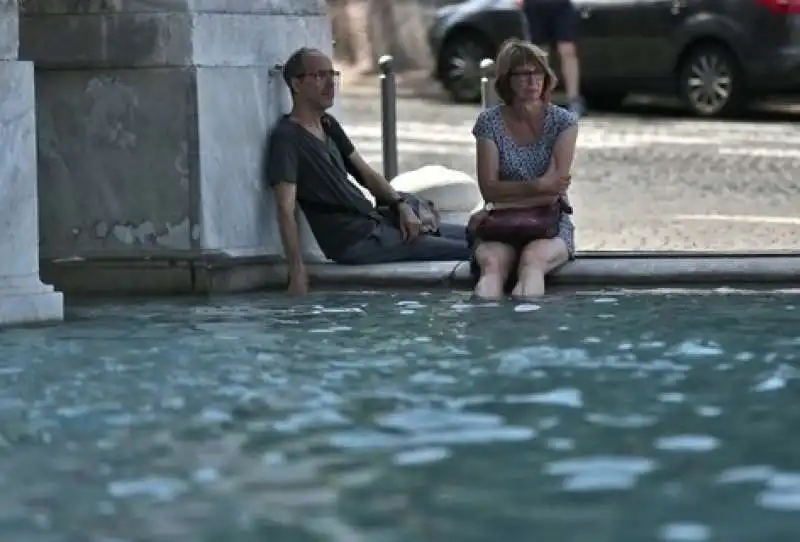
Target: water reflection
point(406, 417)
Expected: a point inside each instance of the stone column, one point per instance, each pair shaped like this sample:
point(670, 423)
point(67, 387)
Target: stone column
point(152, 118)
point(23, 298)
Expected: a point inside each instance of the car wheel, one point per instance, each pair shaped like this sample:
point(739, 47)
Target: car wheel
point(459, 66)
point(710, 82)
point(604, 100)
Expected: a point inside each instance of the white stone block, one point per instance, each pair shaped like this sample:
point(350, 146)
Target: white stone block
point(452, 191)
point(23, 298)
point(26, 306)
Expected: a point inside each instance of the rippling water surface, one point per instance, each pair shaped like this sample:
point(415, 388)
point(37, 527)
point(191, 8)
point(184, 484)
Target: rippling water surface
point(406, 417)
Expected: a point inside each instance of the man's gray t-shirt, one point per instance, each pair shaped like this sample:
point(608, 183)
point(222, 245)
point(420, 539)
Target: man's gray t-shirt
point(337, 211)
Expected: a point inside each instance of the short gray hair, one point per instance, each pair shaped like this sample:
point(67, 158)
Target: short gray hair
point(295, 64)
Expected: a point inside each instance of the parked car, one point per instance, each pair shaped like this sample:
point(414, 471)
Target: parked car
point(716, 55)
point(464, 33)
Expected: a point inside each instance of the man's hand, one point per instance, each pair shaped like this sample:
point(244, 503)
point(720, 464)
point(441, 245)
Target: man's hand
point(298, 282)
point(410, 224)
point(429, 216)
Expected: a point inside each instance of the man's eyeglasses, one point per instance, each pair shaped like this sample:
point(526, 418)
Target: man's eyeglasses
point(321, 75)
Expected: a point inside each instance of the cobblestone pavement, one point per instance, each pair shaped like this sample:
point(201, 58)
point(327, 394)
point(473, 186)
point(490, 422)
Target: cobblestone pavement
point(659, 181)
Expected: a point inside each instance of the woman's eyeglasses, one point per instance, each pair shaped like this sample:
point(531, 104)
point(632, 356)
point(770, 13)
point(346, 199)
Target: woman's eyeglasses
point(530, 75)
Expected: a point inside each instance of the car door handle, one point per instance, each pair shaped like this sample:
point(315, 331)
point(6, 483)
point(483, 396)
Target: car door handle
point(585, 12)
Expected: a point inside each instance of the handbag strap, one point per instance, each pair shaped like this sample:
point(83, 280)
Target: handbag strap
point(336, 137)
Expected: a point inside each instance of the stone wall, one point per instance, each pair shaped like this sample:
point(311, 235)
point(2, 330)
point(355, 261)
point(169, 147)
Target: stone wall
point(23, 298)
point(152, 117)
point(9, 29)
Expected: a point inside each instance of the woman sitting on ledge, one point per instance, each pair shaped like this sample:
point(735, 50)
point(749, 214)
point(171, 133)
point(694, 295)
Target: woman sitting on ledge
point(525, 149)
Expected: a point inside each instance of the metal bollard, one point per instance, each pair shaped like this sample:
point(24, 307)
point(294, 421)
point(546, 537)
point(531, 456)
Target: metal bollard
point(488, 98)
point(388, 117)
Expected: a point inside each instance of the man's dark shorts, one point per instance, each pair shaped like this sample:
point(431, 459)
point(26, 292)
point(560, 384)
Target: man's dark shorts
point(551, 21)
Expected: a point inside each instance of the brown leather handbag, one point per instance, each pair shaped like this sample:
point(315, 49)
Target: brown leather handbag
point(521, 225)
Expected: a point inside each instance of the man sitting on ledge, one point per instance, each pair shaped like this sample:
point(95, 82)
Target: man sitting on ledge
point(307, 163)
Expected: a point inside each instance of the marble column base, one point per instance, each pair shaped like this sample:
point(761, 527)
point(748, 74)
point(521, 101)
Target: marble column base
point(23, 297)
point(25, 300)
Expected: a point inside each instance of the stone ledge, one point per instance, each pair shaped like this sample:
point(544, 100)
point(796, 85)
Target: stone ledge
point(204, 273)
point(120, 276)
point(665, 269)
point(83, 7)
point(157, 40)
point(390, 275)
point(125, 40)
point(9, 31)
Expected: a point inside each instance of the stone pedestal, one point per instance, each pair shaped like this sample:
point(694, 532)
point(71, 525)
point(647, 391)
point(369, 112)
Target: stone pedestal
point(23, 298)
point(152, 119)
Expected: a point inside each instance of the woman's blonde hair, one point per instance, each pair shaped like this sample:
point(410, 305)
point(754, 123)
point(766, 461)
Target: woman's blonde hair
point(515, 54)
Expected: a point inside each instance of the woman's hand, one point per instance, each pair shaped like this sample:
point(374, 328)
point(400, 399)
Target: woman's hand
point(555, 182)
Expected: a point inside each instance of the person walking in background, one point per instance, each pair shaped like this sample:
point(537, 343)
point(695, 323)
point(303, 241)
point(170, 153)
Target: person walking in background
point(555, 22)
